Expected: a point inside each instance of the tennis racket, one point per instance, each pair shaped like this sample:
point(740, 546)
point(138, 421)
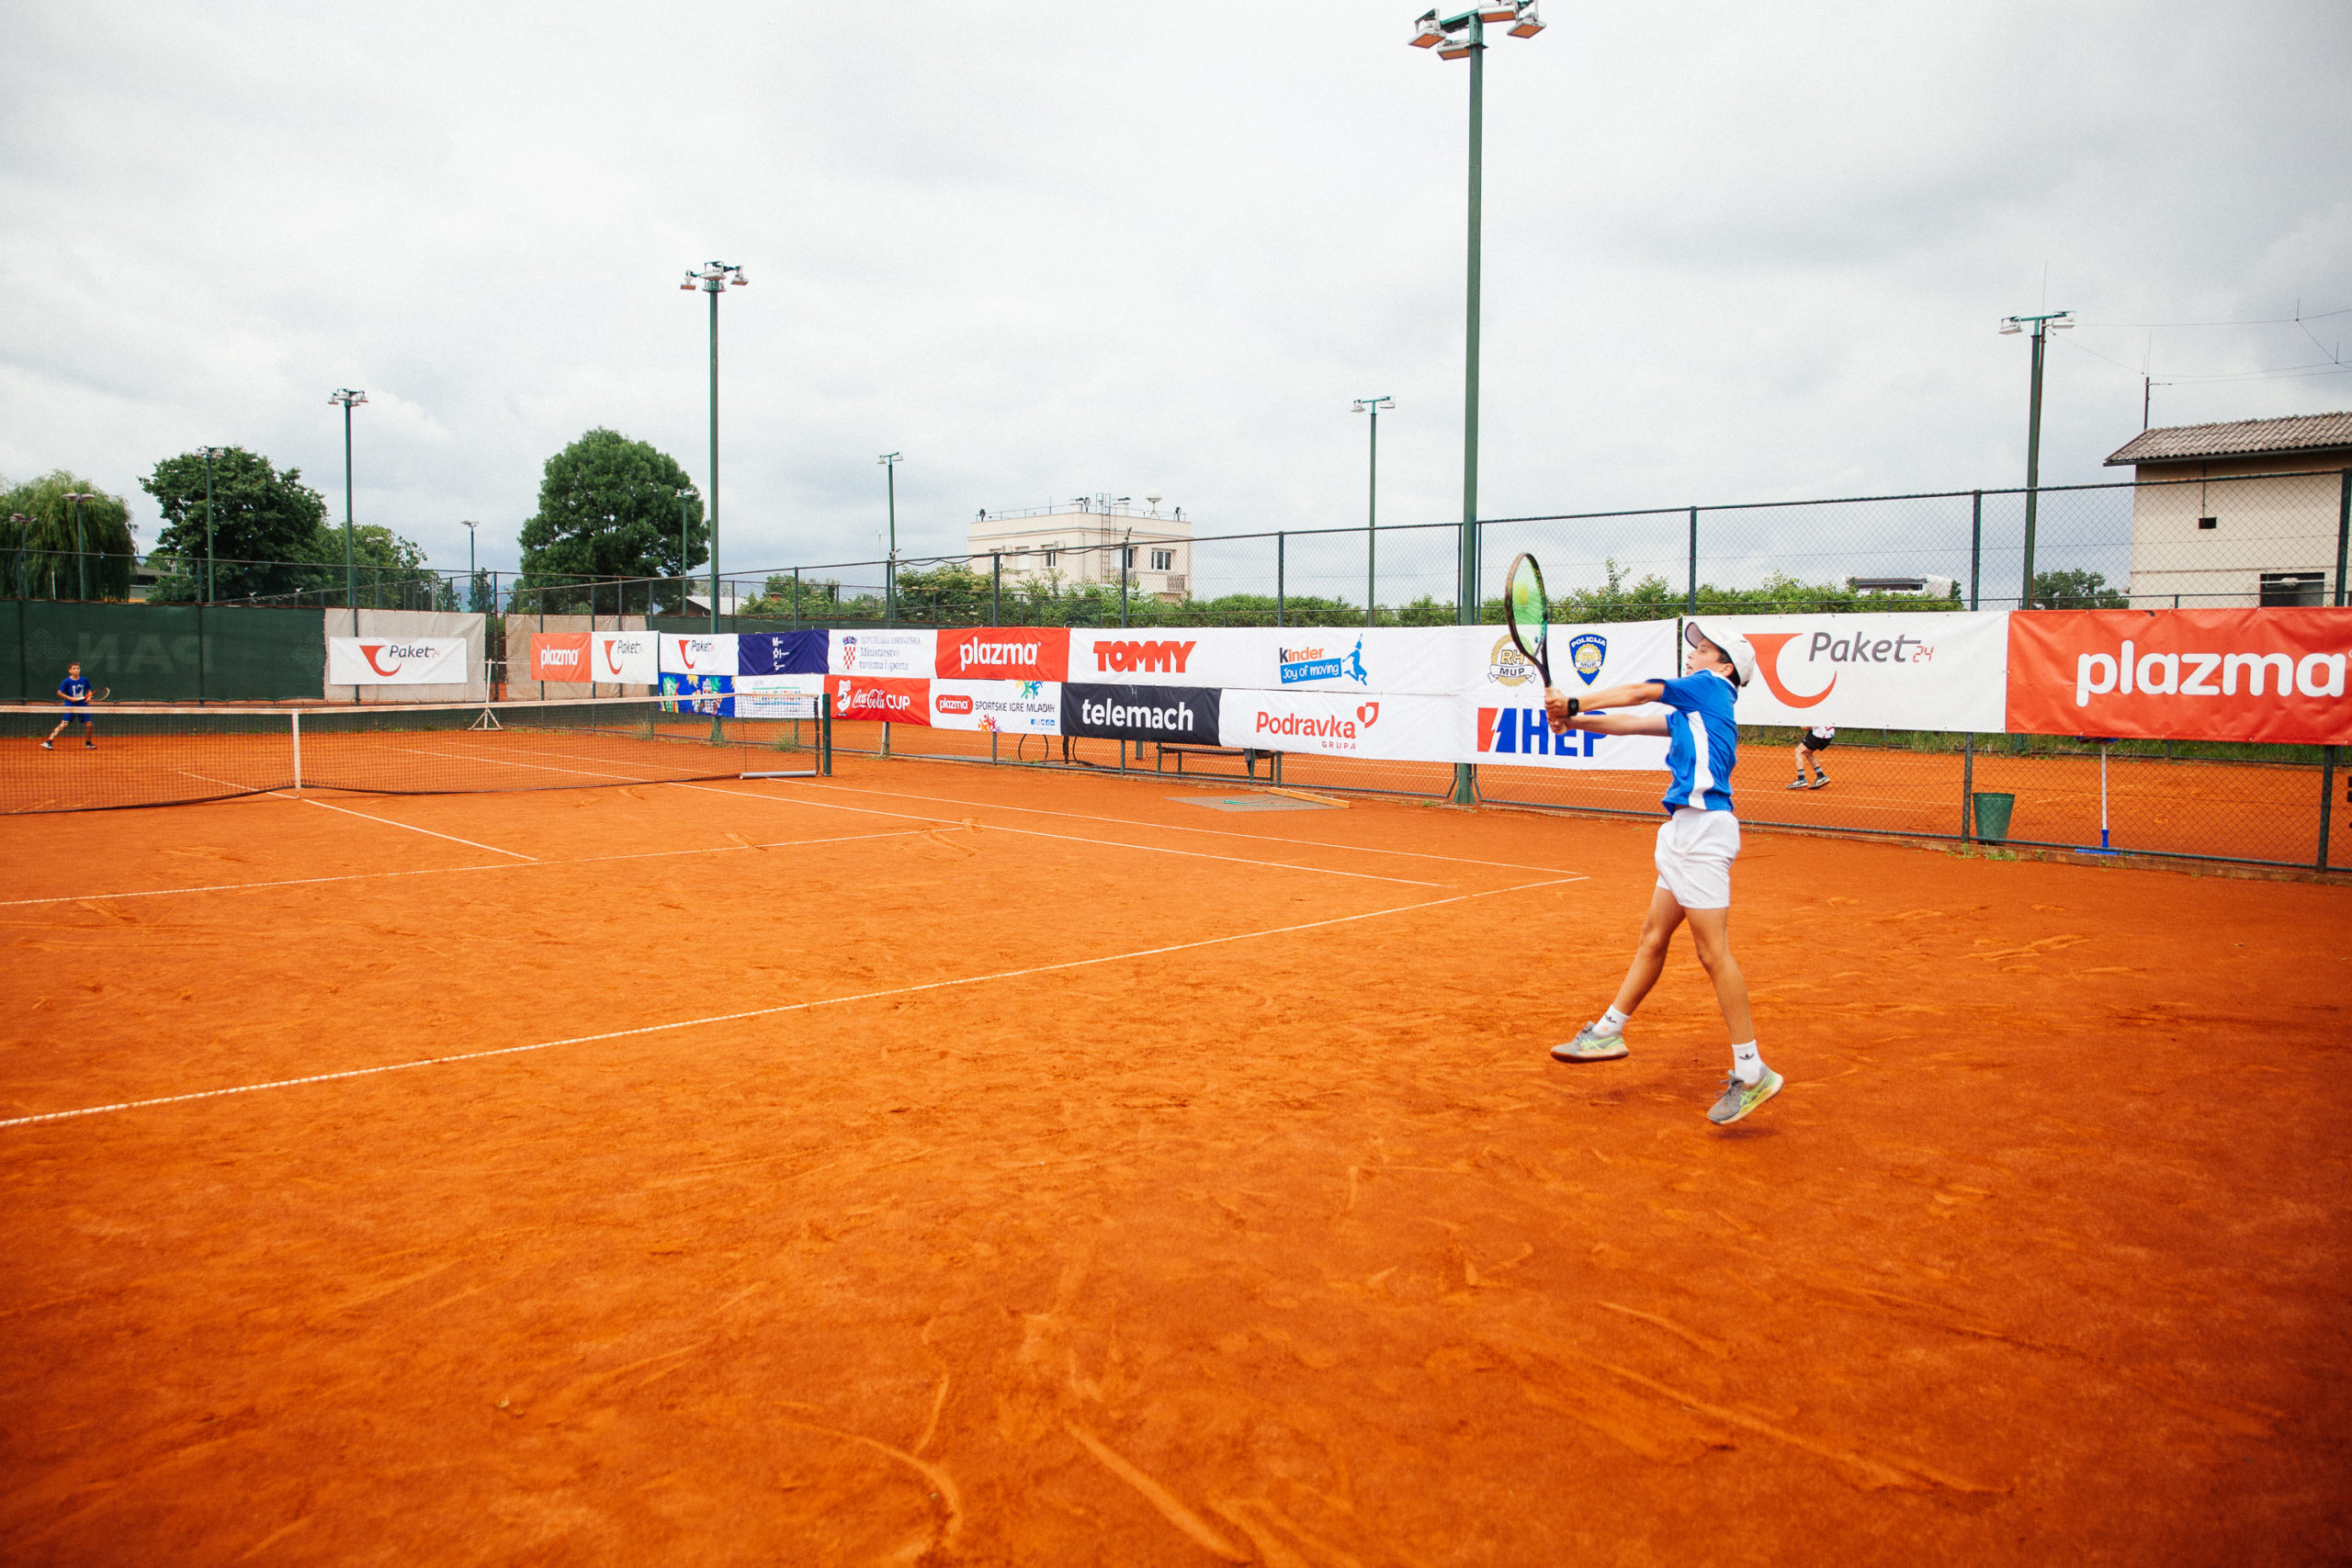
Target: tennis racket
point(1529, 616)
point(100, 694)
point(1531, 619)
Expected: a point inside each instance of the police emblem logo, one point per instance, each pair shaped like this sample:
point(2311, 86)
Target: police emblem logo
point(1585, 654)
point(1509, 667)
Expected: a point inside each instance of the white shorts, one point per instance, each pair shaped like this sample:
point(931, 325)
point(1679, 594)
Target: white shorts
point(1695, 850)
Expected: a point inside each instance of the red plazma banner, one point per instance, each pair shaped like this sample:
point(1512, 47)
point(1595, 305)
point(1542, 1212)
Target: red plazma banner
point(559, 656)
point(2271, 675)
point(896, 699)
point(1004, 653)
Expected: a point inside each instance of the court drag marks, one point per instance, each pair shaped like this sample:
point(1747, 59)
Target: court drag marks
point(1289, 1248)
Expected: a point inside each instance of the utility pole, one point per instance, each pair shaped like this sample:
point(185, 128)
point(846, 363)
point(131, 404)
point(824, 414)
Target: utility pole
point(211, 590)
point(2042, 325)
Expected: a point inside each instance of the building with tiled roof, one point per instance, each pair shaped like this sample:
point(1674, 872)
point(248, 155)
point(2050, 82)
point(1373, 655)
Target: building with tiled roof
point(2250, 512)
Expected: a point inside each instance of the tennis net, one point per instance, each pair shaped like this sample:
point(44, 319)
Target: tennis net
point(165, 756)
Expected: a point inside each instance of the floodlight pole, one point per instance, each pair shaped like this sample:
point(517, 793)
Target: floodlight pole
point(1372, 510)
point(211, 590)
point(81, 558)
point(350, 398)
point(714, 280)
point(1456, 38)
point(890, 462)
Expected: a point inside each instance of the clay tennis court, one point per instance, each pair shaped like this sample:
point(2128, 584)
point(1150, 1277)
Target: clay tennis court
point(951, 1165)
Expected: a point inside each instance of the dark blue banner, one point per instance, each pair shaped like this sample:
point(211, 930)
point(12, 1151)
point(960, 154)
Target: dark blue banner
point(780, 653)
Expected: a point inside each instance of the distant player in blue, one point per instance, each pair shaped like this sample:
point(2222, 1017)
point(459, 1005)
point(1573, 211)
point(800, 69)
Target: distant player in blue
point(75, 692)
point(1695, 848)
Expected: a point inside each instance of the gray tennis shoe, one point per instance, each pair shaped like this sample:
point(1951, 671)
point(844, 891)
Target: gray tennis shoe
point(1592, 1046)
point(1740, 1099)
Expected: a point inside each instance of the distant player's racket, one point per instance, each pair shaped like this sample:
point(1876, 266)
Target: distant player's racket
point(1530, 624)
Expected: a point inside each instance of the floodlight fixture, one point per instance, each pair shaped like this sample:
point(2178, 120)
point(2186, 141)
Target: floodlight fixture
point(1529, 24)
point(1426, 31)
point(2010, 326)
point(1498, 11)
point(713, 280)
point(1459, 46)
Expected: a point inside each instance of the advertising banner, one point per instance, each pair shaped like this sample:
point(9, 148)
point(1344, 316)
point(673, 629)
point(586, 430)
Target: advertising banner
point(1521, 736)
point(781, 653)
point(1584, 659)
point(395, 661)
point(1188, 656)
point(1412, 727)
point(697, 693)
point(559, 656)
point(627, 657)
point(1391, 661)
point(889, 655)
point(1003, 653)
point(1179, 715)
point(778, 696)
point(893, 699)
point(1016, 708)
point(1918, 670)
point(2272, 675)
point(688, 654)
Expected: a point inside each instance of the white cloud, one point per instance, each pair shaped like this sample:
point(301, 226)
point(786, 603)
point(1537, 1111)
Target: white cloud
point(1732, 252)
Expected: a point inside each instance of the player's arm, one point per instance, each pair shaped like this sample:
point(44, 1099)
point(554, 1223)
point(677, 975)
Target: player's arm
point(1620, 723)
point(1560, 707)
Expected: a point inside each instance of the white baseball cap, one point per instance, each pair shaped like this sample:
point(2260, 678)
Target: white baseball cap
point(1733, 646)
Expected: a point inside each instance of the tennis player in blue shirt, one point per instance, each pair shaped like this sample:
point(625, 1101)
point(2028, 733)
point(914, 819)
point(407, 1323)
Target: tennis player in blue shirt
point(75, 692)
point(1696, 845)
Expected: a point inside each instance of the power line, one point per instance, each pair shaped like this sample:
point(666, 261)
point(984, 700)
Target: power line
point(2250, 321)
point(2171, 377)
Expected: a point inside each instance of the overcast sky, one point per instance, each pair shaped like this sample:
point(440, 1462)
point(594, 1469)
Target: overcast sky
point(1734, 252)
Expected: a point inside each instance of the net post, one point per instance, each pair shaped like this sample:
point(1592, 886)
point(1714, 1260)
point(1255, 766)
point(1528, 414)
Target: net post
point(825, 730)
point(296, 715)
point(1967, 785)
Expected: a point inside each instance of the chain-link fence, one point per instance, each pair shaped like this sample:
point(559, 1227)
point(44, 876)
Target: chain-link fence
point(2230, 538)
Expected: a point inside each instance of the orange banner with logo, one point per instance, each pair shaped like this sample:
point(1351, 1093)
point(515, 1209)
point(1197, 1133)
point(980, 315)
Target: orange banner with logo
point(559, 656)
point(2269, 675)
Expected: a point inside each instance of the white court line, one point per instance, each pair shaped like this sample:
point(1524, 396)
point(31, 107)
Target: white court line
point(773, 1011)
point(449, 870)
point(413, 827)
point(1180, 827)
point(534, 767)
point(1074, 838)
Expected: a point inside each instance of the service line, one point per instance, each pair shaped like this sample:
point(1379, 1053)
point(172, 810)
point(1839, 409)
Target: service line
point(779, 1009)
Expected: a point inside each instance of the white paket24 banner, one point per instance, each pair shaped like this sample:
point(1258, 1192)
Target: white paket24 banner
point(395, 661)
point(626, 656)
point(1899, 671)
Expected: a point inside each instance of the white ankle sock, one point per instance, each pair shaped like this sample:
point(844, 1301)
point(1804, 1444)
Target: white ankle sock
point(1745, 1064)
point(1612, 1023)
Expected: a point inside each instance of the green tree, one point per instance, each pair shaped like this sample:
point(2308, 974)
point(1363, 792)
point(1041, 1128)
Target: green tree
point(42, 561)
point(2075, 590)
point(608, 508)
point(268, 529)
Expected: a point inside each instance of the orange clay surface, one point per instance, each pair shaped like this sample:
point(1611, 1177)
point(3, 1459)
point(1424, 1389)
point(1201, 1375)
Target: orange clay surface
point(956, 1166)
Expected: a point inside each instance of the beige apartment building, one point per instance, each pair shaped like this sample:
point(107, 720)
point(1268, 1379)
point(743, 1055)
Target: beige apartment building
point(2253, 513)
point(1090, 540)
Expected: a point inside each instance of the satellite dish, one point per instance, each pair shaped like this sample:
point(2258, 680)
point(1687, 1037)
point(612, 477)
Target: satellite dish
point(1155, 505)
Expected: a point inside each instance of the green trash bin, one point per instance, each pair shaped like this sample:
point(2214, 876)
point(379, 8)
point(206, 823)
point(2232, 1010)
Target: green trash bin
point(1993, 816)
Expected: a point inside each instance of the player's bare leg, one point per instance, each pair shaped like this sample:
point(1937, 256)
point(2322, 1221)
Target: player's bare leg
point(1801, 754)
point(1750, 1083)
point(1603, 1040)
point(1711, 934)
